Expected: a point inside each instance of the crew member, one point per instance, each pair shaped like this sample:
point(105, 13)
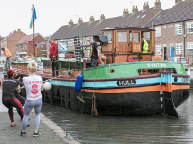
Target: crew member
point(9, 99)
point(94, 53)
point(145, 48)
point(54, 56)
point(8, 57)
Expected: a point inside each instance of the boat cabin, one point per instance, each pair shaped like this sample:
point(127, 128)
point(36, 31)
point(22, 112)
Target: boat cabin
point(125, 44)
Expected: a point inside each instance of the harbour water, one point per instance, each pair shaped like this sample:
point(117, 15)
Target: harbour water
point(125, 130)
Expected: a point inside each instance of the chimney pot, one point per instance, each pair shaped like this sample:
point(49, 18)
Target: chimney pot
point(102, 17)
point(125, 12)
point(91, 19)
point(177, 1)
point(146, 6)
point(70, 22)
point(135, 9)
point(80, 21)
point(157, 5)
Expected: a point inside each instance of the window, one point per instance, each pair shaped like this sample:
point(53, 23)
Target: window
point(147, 35)
point(158, 50)
point(158, 32)
point(130, 36)
point(189, 28)
point(179, 49)
point(178, 28)
point(136, 37)
point(109, 36)
point(122, 36)
point(190, 48)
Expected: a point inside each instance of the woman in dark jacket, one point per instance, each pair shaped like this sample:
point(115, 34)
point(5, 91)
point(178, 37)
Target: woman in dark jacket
point(9, 99)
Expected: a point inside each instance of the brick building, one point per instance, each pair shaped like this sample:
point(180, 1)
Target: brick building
point(174, 30)
point(11, 40)
point(24, 47)
point(174, 27)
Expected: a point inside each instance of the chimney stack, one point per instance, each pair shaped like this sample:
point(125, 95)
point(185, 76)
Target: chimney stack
point(135, 9)
point(146, 6)
point(125, 12)
point(91, 19)
point(157, 4)
point(177, 1)
point(70, 22)
point(102, 17)
point(80, 21)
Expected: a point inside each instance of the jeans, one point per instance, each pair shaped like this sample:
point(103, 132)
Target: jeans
point(55, 66)
point(8, 62)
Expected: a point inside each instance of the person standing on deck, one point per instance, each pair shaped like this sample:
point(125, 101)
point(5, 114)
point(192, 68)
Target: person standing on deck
point(9, 85)
point(94, 53)
point(54, 57)
point(8, 57)
point(33, 85)
point(144, 45)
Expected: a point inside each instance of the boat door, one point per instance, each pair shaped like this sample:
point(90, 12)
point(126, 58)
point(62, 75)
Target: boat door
point(136, 41)
point(122, 45)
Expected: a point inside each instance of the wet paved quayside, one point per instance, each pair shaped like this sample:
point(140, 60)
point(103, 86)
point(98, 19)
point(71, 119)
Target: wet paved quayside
point(50, 132)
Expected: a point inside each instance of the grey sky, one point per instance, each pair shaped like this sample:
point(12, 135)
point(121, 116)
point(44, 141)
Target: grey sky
point(52, 14)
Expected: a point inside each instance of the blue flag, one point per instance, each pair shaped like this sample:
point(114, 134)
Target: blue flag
point(34, 17)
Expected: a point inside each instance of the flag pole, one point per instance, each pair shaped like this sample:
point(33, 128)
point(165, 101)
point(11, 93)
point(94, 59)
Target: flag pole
point(33, 30)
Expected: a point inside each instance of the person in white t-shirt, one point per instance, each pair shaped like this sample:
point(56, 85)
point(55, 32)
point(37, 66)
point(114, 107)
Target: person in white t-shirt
point(33, 85)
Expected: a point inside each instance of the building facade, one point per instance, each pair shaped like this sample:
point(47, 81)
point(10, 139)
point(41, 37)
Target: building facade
point(174, 31)
point(24, 47)
point(173, 26)
point(11, 40)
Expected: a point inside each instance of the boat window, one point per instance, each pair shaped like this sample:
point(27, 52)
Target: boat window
point(121, 36)
point(130, 36)
point(136, 37)
point(109, 36)
point(156, 71)
point(147, 35)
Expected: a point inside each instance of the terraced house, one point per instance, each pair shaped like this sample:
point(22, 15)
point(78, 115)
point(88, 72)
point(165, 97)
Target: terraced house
point(174, 27)
point(174, 30)
point(11, 40)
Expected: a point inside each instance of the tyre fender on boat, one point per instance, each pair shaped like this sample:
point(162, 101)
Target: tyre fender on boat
point(79, 81)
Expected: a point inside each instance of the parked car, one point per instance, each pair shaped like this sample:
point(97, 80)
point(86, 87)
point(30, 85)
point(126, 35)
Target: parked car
point(183, 61)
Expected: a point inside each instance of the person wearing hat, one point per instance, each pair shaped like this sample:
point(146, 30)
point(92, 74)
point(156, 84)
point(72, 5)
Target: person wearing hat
point(94, 53)
point(9, 85)
point(8, 56)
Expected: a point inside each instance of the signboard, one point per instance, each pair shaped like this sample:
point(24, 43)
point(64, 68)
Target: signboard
point(40, 67)
point(62, 46)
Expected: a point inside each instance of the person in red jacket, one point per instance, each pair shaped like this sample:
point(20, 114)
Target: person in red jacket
point(53, 56)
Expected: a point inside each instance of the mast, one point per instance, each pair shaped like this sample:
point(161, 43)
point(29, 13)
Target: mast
point(33, 30)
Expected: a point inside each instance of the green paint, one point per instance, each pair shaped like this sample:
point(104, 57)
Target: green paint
point(129, 69)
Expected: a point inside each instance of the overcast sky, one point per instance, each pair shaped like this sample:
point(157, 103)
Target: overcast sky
point(52, 14)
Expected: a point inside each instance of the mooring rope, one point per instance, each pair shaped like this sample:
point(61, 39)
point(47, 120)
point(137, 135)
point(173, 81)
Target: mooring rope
point(94, 109)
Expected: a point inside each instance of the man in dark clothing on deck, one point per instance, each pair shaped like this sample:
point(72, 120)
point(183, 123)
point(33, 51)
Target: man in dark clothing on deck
point(54, 57)
point(94, 53)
